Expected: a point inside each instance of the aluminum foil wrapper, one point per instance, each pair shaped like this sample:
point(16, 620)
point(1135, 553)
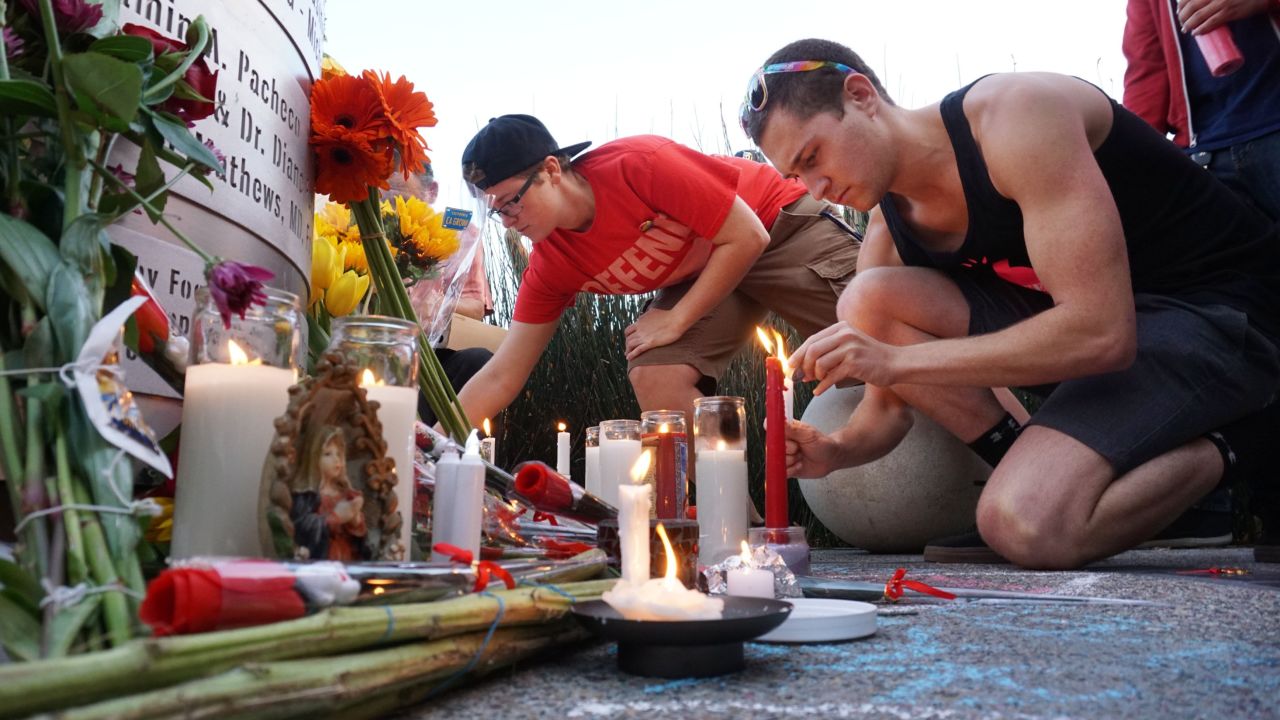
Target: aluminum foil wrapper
point(785, 584)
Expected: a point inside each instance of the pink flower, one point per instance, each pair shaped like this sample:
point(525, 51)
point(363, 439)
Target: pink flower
point(12, 43)
point(71, 16)
point(222, 159)
point(235, 287)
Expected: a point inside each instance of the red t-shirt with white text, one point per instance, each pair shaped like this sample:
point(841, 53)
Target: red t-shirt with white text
point(658, 203)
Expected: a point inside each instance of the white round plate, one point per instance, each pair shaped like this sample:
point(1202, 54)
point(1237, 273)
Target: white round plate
point(824, 620)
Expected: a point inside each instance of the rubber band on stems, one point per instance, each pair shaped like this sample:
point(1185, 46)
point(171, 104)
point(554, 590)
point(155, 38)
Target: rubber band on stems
point(471, 664)
point(61, 596)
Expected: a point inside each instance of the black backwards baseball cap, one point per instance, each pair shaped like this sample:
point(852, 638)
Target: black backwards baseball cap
point(507, 145)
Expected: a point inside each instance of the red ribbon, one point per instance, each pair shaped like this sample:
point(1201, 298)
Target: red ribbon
point(893, 589)
point(557, 550)
point(539, 516)
point(1215, 571)
point(484, 568)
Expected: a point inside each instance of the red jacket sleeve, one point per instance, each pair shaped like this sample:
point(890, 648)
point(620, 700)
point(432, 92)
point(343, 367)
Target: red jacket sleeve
point(1146, 79)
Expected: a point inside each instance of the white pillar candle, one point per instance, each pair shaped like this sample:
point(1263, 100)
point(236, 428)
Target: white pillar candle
point(751, 582)
point(722, 503)
point(398, 411)
point(228, 423)
point(633, 532)
point(459, 502)
point(748, 581)
point(616, 458)
point(593, 470)
point(562, 452)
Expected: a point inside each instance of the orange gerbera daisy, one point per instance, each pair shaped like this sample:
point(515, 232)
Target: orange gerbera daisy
point(405, 111)
point(347, 106)
point(345, 168)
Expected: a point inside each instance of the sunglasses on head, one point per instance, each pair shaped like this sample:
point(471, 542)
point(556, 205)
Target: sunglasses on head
point(758, 90)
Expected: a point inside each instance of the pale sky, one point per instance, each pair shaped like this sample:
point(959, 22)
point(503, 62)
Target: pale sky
point(600, 69)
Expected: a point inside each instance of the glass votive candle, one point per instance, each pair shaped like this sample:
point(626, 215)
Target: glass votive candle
point(720, 444)
point(385, 352)
point(789, 543)
point(591, 442)
point(236, 386)
point(619, 449)
point(663, 433)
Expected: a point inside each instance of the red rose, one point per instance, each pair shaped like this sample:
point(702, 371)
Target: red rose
point(194, 600)
point(202, 80)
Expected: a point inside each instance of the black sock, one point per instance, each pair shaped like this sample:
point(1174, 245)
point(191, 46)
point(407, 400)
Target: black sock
point(993, 444)
point(1248, 448)
point(1248, 444)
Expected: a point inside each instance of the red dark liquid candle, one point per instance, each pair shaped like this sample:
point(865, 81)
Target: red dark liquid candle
point(663, 434)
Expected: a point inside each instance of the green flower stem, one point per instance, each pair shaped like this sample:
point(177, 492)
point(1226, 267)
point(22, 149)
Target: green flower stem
point(95, 181)
point(394, 300)
point(146, 201)
point(115, 605)
point(73, 184)
point(152, 663)
point(10, 463)
point(15, 194)
point(194, 51)
point(77, 568)
point(392, 677)
point(110, 176)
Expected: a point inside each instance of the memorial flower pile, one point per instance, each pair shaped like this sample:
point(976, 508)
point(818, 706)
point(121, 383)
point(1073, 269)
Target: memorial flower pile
point(415, 235)
point(73, 86)
point(364, 128)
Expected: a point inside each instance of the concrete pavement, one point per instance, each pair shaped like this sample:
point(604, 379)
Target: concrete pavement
point(1206, 647)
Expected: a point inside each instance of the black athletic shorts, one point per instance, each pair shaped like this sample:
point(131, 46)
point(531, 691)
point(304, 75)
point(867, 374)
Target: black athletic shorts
point(1198, 367)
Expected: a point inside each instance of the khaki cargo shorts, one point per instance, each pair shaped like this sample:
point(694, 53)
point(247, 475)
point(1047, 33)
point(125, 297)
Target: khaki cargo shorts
point(800, 275)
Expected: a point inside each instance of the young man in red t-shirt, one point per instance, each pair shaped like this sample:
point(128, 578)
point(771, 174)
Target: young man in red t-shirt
point(722, 240)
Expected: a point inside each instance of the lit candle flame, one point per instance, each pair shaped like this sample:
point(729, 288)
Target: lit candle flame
point(663, 428)
point(765, 342)
point(641, 468)
point(746, 554)
point(238, 355)
point(670, 573)
point(487, 431)
point(782, 353)
point(368, 379)
point(560, 427)
point(720, 445)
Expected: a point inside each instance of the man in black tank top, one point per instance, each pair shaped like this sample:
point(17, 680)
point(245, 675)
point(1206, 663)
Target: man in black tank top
point(1031, 232)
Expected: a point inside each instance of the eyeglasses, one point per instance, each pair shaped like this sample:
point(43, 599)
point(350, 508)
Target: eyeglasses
point(512, 207)
point(758, 90)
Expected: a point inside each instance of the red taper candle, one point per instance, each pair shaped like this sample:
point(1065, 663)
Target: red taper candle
point(775, 447)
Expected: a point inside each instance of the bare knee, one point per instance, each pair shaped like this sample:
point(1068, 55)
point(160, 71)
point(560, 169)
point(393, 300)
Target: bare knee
point(1029, 536)
point(867, 302)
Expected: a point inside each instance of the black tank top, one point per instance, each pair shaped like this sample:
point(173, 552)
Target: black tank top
point(1188, 235)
